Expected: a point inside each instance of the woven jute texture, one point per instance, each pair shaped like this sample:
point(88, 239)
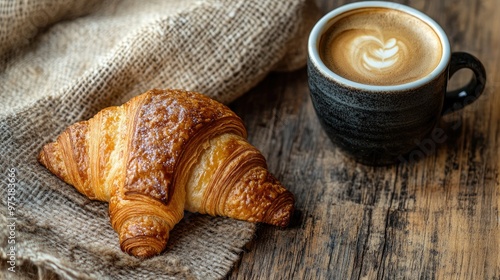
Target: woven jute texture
point(61, 61)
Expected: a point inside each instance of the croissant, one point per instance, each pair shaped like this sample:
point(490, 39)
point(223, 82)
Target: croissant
point(163, 152)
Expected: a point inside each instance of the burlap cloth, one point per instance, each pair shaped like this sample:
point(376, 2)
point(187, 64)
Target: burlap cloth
point(62, 61)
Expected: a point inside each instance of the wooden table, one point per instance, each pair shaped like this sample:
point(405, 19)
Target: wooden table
point(437, 218)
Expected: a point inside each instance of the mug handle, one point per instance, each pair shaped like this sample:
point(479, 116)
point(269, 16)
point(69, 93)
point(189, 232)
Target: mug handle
point(459, 98)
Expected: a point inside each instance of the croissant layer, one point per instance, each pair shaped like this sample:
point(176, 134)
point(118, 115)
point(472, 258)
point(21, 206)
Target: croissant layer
point(163, 152)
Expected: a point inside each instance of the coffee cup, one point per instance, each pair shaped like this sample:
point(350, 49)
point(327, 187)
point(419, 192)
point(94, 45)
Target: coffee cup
point(378, 74)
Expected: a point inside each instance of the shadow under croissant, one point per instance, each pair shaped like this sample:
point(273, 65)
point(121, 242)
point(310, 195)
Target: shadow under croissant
point(161, 153)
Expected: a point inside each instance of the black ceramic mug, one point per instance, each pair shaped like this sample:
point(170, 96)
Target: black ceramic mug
point(378, 74)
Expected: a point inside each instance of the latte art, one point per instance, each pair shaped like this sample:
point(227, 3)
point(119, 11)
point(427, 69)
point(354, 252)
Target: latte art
point(377, 55)
point(380, 47)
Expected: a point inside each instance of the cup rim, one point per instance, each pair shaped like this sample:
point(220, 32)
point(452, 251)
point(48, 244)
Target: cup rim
point(323, 25)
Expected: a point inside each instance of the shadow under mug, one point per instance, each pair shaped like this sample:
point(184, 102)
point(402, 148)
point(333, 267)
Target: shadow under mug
point(379, 125)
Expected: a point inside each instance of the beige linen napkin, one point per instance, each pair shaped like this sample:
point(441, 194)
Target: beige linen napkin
point(62, 61)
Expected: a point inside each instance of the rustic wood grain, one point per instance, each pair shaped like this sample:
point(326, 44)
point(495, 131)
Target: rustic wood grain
point(434, 218)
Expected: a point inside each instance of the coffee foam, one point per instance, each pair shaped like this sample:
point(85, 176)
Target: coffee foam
point(378, 46)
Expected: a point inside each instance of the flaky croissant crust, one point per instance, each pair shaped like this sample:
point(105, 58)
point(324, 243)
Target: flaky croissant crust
point(163, 152)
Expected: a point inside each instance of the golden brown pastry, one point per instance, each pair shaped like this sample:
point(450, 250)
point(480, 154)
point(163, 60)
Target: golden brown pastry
point(161, 153)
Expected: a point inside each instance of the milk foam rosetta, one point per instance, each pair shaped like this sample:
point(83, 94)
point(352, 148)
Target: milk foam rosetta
point(378, 46)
